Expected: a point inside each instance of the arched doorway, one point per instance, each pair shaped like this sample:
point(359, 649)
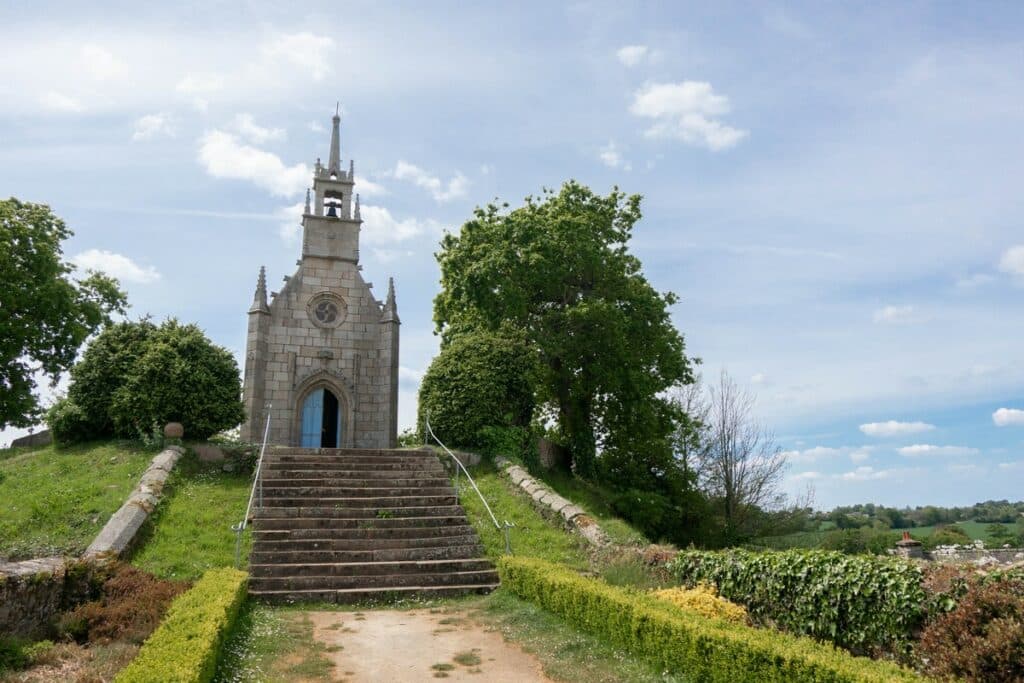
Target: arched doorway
point(321, 420)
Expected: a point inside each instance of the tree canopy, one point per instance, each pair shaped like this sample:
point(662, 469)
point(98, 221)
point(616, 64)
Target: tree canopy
point(558, 269)
point(137, 375)
point(45, 313)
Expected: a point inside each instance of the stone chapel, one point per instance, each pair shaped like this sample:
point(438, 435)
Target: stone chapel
point(322, 354)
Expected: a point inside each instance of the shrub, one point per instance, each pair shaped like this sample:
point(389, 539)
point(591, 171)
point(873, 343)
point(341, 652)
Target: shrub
point(519, 443)
point(946, 535)
point(186, 645)
point(701, 648)
point(856, 601)
point(982, 638)
point(479, 379)
point(135, 375)
point(130, 607)
point(864, 540)
point(17, 654)
point(704, 600)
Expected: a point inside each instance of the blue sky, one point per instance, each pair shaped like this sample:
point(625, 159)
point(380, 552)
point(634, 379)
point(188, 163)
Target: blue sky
point(833, 191)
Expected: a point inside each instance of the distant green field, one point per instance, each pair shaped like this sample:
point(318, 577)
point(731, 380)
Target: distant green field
point(813, 539)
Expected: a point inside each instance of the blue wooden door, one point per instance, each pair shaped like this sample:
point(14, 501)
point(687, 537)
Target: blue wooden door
point(312, 419)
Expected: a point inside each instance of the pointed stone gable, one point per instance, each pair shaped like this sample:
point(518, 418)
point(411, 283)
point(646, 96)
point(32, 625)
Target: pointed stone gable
point(322, 352)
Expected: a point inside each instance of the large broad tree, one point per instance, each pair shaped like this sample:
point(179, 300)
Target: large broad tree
point(45, 313)
point(559, 270)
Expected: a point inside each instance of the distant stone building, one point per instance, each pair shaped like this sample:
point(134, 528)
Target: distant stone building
point(324, 351)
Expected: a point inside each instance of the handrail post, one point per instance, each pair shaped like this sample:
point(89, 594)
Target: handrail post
point(469, 477)
point(255, 493)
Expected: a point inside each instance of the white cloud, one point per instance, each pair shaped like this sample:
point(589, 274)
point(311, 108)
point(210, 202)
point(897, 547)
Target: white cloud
point(367, 188)
point(153, 125)
point(115, 265)
point(974, 281)
point(100, 63)
point(1019, 465)
point(56, 101)
point(305, 50)
point(686, 111)
point(806, 476)
point(1012, 261)
point(200, 86)
point(631, 55)
point(316, 127)
point(245, 125)
point(455, 188)
point(866, 473)
point(919, 450)
point(390, 255)
point(896, 315)
point(894, 428)
point(818, 453)
point(610, 157)
point(290, 226)
point(759, 378)
point(409, 377)
point(223, 156)
point(380, 227)
point(1006, 417)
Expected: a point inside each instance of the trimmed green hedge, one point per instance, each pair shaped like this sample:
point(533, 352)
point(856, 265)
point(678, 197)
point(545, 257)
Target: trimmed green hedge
point(185, 646)
point(855, 601)
point(700, 648)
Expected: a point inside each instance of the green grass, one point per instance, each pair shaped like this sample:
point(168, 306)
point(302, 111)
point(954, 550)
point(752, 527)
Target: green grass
point(55, 500)
point(533, 535)
point(190, 531)
point(595, 500)
point(270, 644)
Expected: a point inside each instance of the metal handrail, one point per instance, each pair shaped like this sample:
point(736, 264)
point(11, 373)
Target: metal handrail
point(257, 485)
point(503, 529)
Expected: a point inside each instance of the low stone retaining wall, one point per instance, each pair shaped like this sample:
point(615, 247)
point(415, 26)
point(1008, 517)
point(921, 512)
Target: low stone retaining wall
point(33, 592)
point(119, 532)
point(547, 499)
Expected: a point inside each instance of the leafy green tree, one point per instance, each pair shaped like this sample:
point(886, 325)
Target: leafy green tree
point(480, 379)
point(45, 313)
point(559, 270)
point(137, 375)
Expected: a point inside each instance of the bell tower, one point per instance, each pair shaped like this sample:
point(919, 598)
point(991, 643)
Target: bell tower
point(330, 225)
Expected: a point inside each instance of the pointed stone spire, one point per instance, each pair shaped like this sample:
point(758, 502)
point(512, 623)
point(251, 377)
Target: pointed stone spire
point(351, 169)
point(259, 299)
point(334, 163)
point(390, 312)
point(357, 216)
point(307, 202)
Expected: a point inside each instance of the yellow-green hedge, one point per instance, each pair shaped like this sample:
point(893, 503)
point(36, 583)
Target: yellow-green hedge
point(184, 648)
point(703, 649)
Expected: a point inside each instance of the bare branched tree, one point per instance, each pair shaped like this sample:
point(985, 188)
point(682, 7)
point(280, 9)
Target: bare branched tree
point(689, 441)
point(740, 463)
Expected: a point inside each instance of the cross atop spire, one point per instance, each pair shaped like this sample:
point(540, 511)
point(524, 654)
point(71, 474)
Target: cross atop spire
point(334, 162)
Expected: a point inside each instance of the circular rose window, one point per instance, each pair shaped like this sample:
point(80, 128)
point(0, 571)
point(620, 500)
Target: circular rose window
point(327, 309)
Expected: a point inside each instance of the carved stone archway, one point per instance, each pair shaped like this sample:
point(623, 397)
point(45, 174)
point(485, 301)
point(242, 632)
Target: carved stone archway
point(338, 385)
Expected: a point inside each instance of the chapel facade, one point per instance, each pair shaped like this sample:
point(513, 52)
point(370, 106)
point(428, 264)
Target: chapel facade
point(322, 353)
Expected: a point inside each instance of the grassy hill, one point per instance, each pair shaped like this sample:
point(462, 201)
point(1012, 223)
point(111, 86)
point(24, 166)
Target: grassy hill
point(55, 500)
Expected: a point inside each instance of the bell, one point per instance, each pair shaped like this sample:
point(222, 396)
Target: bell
point(332, 211)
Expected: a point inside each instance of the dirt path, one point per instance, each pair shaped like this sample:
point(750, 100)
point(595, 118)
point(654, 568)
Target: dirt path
point(417, 645)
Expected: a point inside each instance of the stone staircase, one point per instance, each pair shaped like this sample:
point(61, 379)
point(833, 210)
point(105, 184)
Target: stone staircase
point(346, 525)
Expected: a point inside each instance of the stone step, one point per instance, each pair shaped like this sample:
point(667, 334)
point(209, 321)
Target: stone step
point(360, 458)
point(306, 479)
point(358, 595)
point(295, 450)
point(430, 467)
point(268, 541)
point(441, 527)
point(332, 492)
point(378, 581)
point(452, 516)
point(267, 562)
point(374, 568)
point(396, 506)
